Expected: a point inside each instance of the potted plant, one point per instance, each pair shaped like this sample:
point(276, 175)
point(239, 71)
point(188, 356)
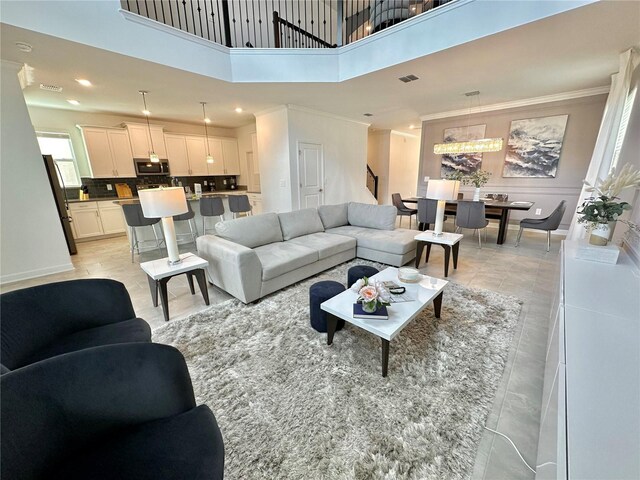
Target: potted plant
point(601, 211)
point(478, 179)
point(372, 296)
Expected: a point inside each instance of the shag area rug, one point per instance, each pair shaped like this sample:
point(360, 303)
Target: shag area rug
point(291, 407)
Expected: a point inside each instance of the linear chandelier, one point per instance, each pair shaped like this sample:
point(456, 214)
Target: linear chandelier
point(480, 145)
point(472, 146)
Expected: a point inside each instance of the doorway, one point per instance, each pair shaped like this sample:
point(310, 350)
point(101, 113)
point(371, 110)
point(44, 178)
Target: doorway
point(310, 175)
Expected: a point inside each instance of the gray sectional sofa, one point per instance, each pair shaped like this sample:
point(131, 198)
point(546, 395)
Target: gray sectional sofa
point(251, 257)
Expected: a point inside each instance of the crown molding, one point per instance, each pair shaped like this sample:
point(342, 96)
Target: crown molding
point(587, 92)
point(325, 114)
point(13, 65)
point(269, 110)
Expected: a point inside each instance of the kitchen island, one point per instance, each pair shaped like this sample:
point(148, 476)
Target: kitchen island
point(145, 235)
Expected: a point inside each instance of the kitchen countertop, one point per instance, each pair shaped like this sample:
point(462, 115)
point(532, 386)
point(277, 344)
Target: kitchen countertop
point(134, 200)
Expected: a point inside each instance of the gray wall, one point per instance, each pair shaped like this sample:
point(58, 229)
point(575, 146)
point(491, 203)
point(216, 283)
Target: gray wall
point(585, 115)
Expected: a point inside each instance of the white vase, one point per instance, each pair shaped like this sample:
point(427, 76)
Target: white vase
point(476, 194)
point(600, 234)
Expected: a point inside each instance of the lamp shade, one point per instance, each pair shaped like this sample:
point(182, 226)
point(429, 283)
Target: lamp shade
point(443, 189)
point(163, 202)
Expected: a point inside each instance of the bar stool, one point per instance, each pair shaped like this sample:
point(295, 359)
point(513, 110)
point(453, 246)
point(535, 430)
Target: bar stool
point(188, 217)
point(210, 207)
point(134, 217)
point(239, 204)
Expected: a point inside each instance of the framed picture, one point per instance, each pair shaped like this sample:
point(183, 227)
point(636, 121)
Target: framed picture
point(464, 163)
point(534, 147)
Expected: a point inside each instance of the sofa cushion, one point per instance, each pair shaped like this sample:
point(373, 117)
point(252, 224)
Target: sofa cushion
point(325, 244)
point(380, 217)
point(128, 331)
point(300, 222)
point(398, 241)
point(283, 257)
point(334, 215)
point(251, 231)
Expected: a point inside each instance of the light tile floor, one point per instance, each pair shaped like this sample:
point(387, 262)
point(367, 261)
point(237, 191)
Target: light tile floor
point(527, 272)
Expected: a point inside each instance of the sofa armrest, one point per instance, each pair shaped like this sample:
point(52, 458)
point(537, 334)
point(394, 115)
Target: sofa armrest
point(234, 268)
point(53, 408)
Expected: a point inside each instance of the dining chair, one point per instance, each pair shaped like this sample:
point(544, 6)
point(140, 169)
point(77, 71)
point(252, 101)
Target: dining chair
point(472, 215)
point(427, 208)
point(403, 210)
point(552, 222)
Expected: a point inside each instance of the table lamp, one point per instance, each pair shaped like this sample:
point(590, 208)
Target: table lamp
point(164, 203)
point(442, 190)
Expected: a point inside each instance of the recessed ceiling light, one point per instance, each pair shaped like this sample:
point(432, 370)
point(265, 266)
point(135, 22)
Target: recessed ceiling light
point(24, 47)
point(74, 102)
point(83, 82)
point(207, 120)
point(238, 110)
point(412, 126)
point(146, 112)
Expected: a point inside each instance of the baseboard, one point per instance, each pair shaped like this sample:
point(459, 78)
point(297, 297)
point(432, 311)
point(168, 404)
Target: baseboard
point(41, 272)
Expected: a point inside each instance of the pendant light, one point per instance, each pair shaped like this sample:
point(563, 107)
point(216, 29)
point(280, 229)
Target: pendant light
point(472, 146)
point(153, 157)
point(206, 134)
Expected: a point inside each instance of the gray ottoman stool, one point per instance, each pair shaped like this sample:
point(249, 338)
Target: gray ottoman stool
point(318, 293)
point(358, 272)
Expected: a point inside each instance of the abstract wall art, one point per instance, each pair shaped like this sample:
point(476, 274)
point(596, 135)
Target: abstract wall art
point(464, 163)
point(534, 147)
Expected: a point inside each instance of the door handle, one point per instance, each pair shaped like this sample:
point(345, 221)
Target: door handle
point(320, 190)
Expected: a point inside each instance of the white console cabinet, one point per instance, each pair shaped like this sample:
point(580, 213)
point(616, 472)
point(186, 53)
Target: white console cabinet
point(590, 417)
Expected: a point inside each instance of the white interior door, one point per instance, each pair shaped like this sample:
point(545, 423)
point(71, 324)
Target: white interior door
point(310, 175)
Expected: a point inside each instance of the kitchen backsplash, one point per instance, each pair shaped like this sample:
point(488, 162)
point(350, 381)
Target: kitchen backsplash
point(98, 186)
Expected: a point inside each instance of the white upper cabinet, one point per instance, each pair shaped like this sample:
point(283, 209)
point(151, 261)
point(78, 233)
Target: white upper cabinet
point(215, 149)
point(108, 152)
point(177, 155)
point(197, 154)
point(230, 155)
point(141, 142)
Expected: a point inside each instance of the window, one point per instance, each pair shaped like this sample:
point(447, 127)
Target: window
point(58, 145)
point(622, 129)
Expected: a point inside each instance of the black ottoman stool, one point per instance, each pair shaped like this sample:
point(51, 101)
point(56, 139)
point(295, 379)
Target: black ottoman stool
point(318, 293)
point(358, 272)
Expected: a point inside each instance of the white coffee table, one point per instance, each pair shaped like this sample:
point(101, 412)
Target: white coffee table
point(448, 241)
point(428, 290)
point(159, 272)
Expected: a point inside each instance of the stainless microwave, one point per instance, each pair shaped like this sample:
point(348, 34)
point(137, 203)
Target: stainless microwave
point(146, 167)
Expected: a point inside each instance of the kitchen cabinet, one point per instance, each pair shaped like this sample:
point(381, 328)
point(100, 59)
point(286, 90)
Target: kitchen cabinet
point(108, 152)
point(255, 199)
point(177, 155)
point(230, 156)
point(141, 142)
point(197, 155)
point(94, 219)
point(215, 149)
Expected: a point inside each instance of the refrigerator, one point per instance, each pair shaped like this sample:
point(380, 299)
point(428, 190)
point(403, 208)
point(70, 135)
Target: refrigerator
point(62, 203)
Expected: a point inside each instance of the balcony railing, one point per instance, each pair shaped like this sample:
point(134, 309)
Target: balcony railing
point(281, 23)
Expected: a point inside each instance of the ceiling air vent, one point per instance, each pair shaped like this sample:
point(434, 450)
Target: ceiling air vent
point(408, 78)
point(50, 88)
point(368, 114)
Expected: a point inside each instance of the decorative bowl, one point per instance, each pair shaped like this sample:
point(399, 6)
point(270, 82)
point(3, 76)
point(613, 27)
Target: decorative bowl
point(409, 275)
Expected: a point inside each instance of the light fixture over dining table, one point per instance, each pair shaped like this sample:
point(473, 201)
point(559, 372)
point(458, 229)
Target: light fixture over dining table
point(480, 145)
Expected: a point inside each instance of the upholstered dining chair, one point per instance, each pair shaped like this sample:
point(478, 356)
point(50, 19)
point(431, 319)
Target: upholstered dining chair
point(427, 208)
point(471, 215)
point(403, 210)
point(552, 222)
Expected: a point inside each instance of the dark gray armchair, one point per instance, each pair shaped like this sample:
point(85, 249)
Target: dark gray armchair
point(552, 222)
point(427, 208)
point(471, 215)
point(48, 320)
point(115, 412)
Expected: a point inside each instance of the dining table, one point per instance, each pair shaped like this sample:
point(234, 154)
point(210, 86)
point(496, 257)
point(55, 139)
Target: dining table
point(496, 210)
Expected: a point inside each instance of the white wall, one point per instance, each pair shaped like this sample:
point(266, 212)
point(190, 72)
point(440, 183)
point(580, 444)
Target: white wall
point(404, 160)
point(57, 120)
point(344, 146)
point(31, 237)
point(273, 144)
